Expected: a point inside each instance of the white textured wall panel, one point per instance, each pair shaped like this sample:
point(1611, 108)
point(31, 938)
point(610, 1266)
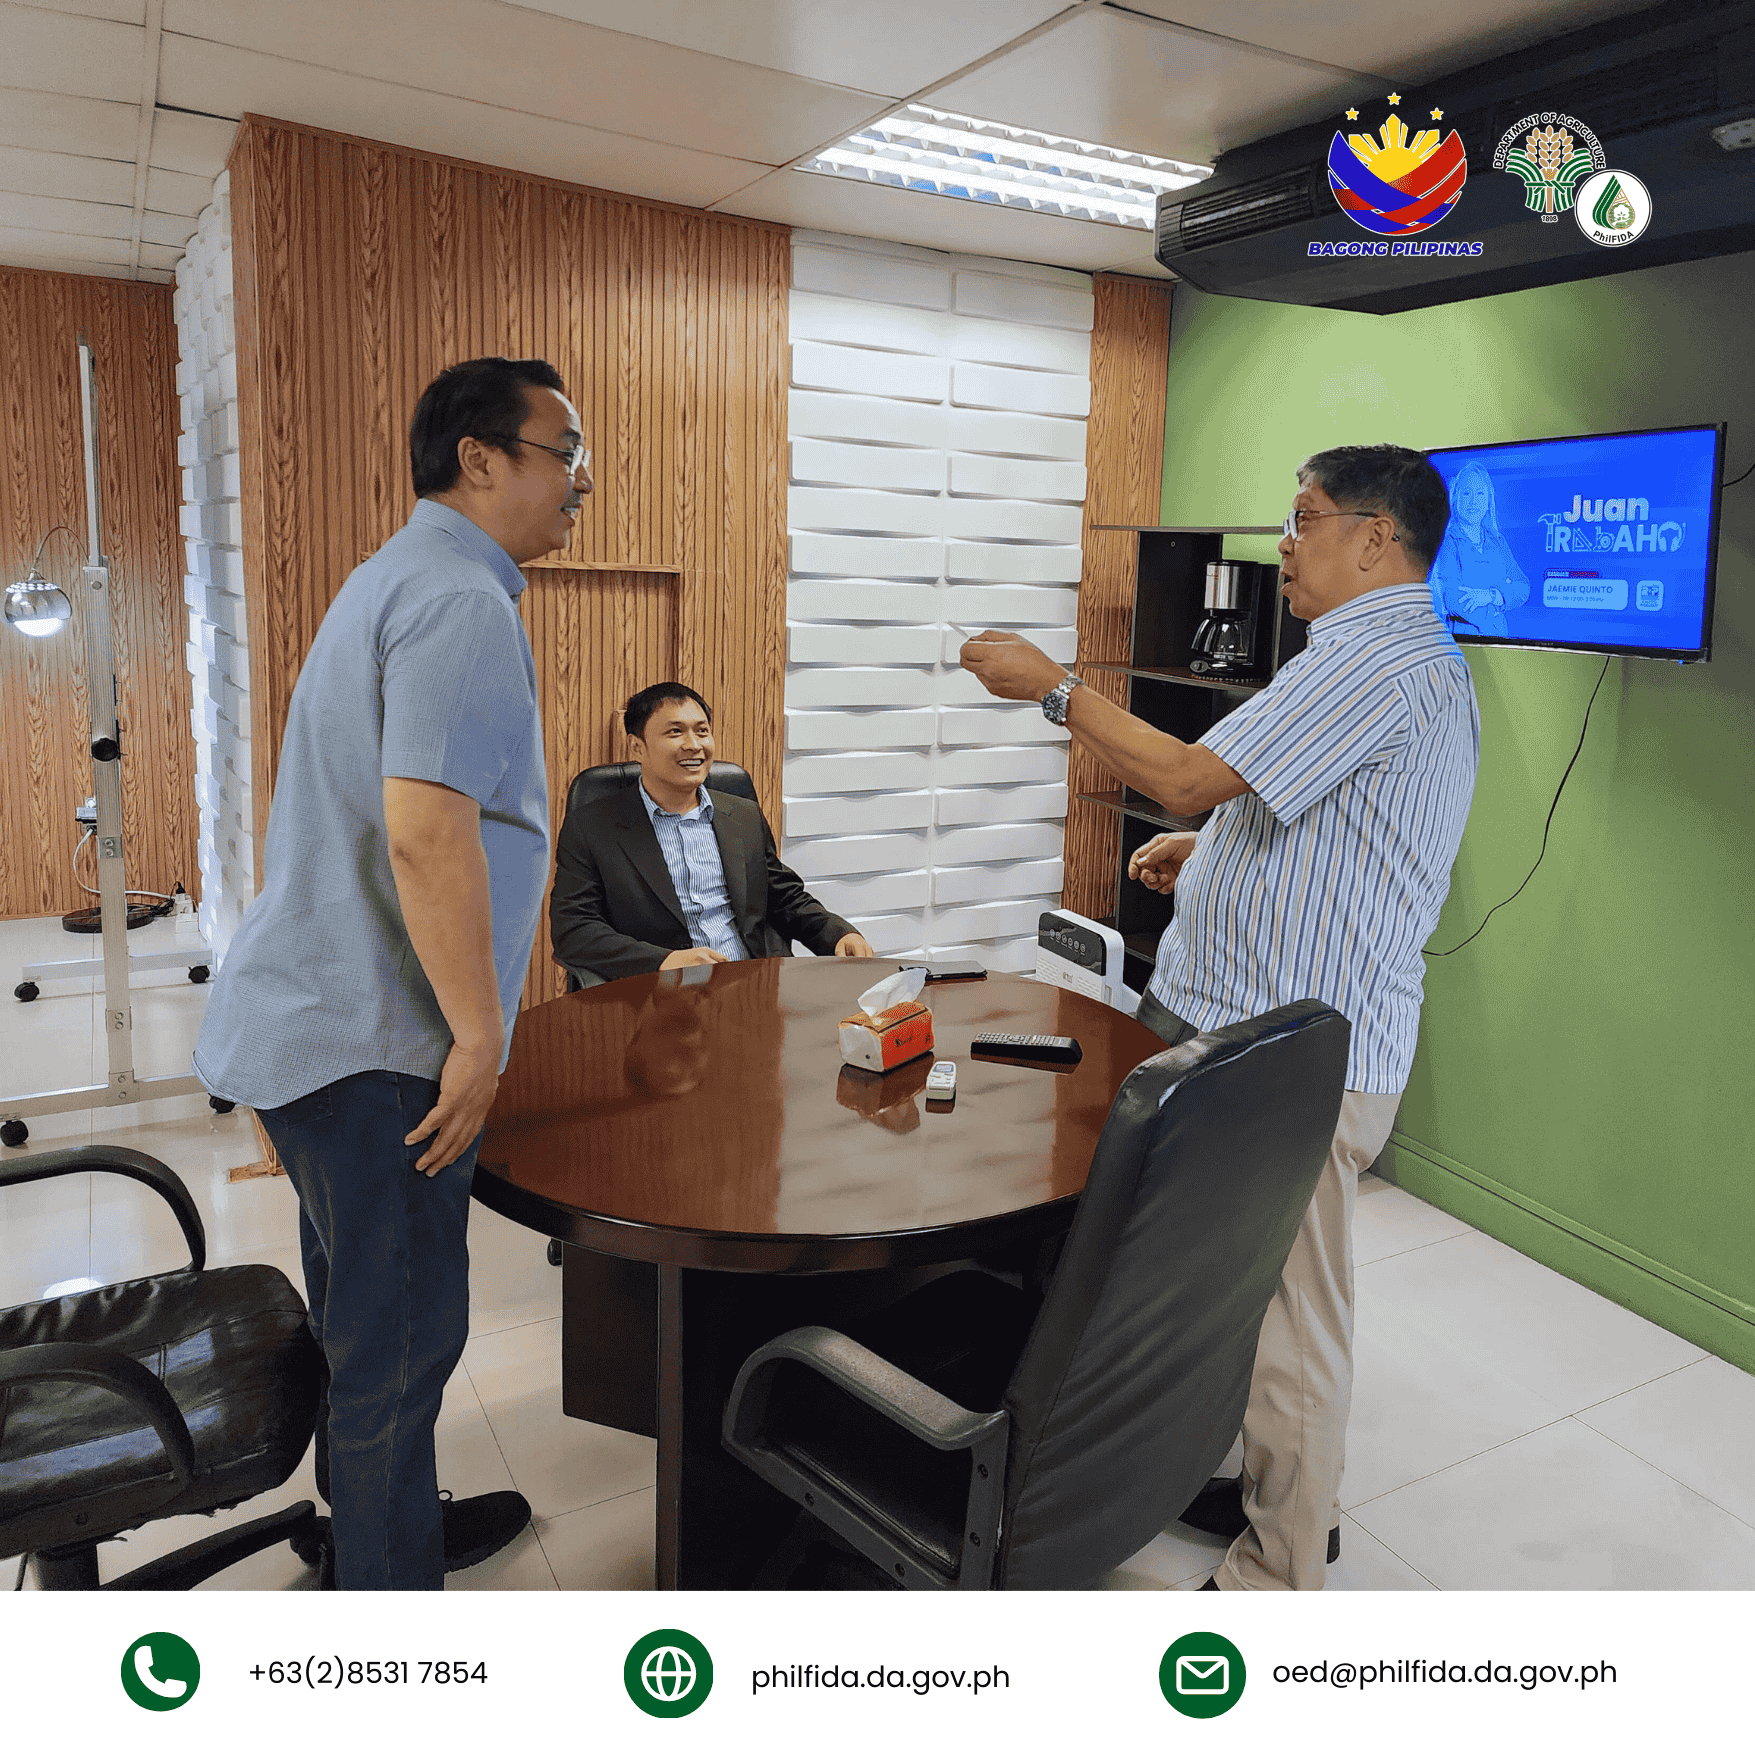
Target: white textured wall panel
point(938, 411)
point(213, 585)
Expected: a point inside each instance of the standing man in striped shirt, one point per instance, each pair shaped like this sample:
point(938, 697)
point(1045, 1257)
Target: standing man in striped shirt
point(1339, 795)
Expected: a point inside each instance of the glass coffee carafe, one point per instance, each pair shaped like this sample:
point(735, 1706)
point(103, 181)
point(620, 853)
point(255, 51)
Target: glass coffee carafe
point(1223, 643)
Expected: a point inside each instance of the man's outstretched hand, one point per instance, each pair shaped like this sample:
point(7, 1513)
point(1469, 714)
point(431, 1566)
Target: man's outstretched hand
point(1008, 666)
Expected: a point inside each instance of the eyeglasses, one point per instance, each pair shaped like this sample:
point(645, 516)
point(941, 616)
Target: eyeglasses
point(576, 457)
point(1293, 526)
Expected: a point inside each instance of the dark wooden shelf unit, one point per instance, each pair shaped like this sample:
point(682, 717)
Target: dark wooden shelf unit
point(1168, 606)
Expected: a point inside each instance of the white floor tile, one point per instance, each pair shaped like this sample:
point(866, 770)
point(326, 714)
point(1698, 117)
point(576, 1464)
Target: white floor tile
point(558, 1464)
point(1366, 1564)
point(1697, 1425)
point(1423, 1400)
point(604, 1547)
point(510, 1281)
point(1390, 1221)
point(1557, 1339)
point(1562, 1509)
point(45, 1234)
point(1169, 1559)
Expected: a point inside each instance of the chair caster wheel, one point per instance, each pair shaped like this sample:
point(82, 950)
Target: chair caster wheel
point(198, 974)
point(26, 991)
point(555, 1247)
point(13, 1133)
point(311, 1549)
point(220, 1105)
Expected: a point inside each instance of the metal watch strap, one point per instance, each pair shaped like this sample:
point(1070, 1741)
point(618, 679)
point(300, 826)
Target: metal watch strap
point(1054, 702)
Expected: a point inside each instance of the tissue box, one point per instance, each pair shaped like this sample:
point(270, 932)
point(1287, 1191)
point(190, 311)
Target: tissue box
point(887, 1038)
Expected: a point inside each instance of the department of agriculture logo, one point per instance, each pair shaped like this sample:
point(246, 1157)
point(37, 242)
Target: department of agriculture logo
point(1396, 186)
point(668, 1673)
point(161, 1672)
point(1550, 154)
point(1613, 208)
point(1202, 1675)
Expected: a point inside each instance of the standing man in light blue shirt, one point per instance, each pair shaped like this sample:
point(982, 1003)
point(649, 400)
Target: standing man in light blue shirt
point(1339, 795)
point(365, 1008)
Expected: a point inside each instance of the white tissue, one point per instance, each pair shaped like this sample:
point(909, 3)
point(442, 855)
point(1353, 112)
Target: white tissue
point(897, 989)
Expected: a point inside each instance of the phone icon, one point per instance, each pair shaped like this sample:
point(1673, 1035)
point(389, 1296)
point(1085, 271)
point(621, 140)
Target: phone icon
point(160, 1672)
point(174, 1689)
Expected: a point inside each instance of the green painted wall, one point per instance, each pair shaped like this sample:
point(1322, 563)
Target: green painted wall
point(1585, 1084)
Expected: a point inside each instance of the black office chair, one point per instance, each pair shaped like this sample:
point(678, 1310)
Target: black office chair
point(182, 1392)
point(975, 1438)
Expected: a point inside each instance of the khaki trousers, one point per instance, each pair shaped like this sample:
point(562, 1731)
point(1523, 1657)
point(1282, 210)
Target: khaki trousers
point(1295, 1427)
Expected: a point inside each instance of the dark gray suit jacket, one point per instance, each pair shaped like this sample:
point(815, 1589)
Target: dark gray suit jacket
point(615, 912)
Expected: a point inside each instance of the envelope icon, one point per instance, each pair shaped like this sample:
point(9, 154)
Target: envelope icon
point(1203, 1675)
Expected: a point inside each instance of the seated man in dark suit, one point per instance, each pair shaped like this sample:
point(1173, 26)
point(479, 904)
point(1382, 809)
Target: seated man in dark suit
point(665, 874)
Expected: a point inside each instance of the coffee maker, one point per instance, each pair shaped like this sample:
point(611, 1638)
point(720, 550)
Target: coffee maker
point(1223, 643)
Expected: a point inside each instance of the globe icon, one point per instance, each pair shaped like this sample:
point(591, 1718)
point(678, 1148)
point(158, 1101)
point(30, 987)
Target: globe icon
point(668, 1673)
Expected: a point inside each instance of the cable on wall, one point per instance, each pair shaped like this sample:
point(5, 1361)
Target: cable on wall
point(1582, 732)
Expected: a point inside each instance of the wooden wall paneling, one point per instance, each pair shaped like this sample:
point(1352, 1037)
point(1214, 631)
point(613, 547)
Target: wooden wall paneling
point(597, 638)
point(363, 269)
point(44, 706)
point(1124, 463)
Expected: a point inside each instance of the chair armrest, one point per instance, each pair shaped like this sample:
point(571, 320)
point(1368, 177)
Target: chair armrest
point(914, 1406)
point(71, 1362)
point(118, 1161)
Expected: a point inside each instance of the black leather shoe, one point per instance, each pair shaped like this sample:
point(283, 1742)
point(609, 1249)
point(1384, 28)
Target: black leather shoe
point(1217, 1509)
point(479, 1527)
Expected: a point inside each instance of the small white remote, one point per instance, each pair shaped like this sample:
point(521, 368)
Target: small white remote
point(941, 1082)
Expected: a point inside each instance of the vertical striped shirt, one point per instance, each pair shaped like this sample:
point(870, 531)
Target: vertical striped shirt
point(697, 872)
point(1325, 879)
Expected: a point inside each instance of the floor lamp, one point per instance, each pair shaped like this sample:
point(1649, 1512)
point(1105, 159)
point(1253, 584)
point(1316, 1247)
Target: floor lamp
point(28, 606)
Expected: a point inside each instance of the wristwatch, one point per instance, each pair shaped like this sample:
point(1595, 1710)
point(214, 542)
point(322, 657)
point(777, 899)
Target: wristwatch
point(1054, 702)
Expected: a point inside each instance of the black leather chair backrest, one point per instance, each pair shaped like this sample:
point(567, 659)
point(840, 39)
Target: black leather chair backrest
point(1132, 1384)
point(591, 784)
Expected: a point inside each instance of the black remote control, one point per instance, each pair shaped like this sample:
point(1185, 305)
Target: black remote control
point(1054, 1050)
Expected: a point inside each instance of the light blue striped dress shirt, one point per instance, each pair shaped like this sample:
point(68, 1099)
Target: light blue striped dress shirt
point(1324, 881)
point(691, 856)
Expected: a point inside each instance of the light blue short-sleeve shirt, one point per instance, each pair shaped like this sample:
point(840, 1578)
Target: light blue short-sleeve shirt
point(1324, 881)
point(420, 671)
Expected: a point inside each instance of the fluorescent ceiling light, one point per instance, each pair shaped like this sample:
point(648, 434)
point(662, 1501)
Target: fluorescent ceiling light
point(941, 153)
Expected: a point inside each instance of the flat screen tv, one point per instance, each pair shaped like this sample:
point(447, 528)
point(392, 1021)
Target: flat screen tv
point(1603, 543)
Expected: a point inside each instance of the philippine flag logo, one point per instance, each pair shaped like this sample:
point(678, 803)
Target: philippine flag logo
point(1393, 186)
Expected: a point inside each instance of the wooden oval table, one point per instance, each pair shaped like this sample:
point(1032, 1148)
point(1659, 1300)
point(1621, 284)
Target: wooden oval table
point(721, 1177)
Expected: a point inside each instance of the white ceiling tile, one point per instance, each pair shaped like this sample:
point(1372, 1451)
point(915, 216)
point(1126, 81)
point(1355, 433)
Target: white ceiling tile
point(51, 121)
point(19, 241)
point(166, 228)
point(1389, 36)
point(530, 63)
point(430, 122)
point(160, 255)
point(896, 47)
point(935, 222)
point(197, 145)
point(1121, 81)
point(177, 192)
point(57, 51)
point(64, 173)
point(78, 218)
point(120, 11)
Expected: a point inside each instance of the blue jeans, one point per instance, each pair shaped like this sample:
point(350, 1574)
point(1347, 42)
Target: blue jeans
point(387, 1281)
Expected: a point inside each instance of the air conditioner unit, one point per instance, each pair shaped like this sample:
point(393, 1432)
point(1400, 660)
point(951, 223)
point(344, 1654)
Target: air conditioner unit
point(1662, 90)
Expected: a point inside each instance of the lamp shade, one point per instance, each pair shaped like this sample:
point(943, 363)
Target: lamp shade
point(36, 607)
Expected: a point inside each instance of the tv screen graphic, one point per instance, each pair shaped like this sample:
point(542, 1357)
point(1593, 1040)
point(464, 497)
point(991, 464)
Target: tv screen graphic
point(1603, 543)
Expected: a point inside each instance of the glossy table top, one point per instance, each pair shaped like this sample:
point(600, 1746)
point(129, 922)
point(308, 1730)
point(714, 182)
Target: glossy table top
point(704, 1118)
